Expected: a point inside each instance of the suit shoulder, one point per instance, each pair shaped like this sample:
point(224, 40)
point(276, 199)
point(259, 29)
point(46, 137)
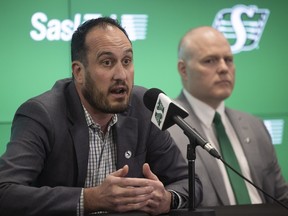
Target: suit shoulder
point(53, 99)
point(138, 94)
point(139, 90)
point(241, 114)
point(234, 111)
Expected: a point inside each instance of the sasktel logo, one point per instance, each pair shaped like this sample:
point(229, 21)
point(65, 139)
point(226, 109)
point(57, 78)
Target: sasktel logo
point(57, 30)
point(242, 25)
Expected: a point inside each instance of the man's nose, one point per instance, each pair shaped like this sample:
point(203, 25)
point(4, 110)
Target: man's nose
point(120, 72)
point(222, 66)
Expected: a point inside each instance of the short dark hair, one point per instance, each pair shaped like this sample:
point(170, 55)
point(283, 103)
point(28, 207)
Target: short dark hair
point(78, 47)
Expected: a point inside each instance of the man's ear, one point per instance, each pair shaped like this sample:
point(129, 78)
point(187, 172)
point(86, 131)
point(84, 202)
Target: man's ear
point(78, 71)
point(182, 69)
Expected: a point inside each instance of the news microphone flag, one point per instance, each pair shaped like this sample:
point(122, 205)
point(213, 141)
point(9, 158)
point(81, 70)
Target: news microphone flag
point(164, 108)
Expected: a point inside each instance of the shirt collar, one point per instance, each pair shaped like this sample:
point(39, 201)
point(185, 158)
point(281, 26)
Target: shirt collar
point(204, 112)
point(91, 123)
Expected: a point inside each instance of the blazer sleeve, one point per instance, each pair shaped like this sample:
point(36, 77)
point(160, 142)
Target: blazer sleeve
point(22, 164)
point(274, 182)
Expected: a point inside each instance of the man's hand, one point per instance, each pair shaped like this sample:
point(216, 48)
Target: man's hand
point(121, 194)
point(118, 193)
point(160, 201)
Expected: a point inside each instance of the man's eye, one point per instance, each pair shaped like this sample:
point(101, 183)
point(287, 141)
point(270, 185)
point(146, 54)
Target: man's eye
point(127, 61)
point(210, 61)
point(106, 62)
point(229, 60)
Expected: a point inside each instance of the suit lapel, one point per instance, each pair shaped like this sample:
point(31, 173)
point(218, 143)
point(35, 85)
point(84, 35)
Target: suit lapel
point(127, 136)
point(79, 132)
point(216, 178)
point(246, 138)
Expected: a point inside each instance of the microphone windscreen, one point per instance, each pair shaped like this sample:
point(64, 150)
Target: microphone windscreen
point(150, 97)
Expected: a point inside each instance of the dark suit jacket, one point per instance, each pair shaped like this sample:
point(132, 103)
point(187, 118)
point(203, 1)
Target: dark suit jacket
point(257, 147)
point(45, 165)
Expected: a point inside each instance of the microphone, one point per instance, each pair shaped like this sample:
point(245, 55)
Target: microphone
point(167, 112)
point(163, 108)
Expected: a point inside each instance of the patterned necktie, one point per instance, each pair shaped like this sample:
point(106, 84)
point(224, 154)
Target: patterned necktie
point(228, 154)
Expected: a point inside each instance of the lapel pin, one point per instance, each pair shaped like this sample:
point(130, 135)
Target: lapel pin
point(247, 140)
point(128, 154)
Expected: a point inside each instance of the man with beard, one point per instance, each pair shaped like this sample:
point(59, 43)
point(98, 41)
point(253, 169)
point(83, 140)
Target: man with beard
point(88, 145)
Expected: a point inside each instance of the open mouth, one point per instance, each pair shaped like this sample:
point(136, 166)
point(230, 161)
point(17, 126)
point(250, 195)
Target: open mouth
point(119, 90)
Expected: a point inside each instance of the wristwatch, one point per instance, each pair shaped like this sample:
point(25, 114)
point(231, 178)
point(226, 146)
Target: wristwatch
point(174, 200)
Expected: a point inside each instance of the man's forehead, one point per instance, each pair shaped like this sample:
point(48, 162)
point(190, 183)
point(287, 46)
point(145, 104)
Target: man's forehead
point(111, 33)
point(109, 44)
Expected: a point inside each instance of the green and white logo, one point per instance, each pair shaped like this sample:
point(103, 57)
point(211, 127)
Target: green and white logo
point(242, 25)
point(159, 112)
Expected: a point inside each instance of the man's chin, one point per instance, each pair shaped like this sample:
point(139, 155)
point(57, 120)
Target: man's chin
point(224, 92)
point(118, 108)
point(224, 96)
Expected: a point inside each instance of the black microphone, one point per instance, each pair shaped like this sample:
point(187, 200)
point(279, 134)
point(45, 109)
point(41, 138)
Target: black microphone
point(167, 112)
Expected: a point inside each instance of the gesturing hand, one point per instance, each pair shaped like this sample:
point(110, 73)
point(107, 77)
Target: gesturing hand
point(119, 193)
point(160, 200)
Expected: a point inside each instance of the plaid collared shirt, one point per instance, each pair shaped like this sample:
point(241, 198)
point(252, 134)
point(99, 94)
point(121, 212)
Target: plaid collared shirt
point(102, 155)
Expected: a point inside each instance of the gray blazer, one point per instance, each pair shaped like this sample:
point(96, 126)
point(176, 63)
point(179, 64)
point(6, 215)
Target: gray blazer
point(257, 146)
point(45, 165)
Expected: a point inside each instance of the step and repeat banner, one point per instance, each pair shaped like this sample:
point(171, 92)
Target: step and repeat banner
point(35, 50)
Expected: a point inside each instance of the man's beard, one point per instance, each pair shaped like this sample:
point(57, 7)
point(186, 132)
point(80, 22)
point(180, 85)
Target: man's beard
point(98, 100)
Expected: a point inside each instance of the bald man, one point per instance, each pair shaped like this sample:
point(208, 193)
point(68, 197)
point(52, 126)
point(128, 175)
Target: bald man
point(207, 71)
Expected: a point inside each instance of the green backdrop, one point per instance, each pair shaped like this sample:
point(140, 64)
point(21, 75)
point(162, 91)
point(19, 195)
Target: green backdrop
point(35, 51)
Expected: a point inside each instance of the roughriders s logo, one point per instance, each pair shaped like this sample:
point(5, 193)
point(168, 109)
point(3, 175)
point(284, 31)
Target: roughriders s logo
point(242, 25)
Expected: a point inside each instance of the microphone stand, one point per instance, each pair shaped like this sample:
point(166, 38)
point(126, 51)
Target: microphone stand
point(191, 157)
